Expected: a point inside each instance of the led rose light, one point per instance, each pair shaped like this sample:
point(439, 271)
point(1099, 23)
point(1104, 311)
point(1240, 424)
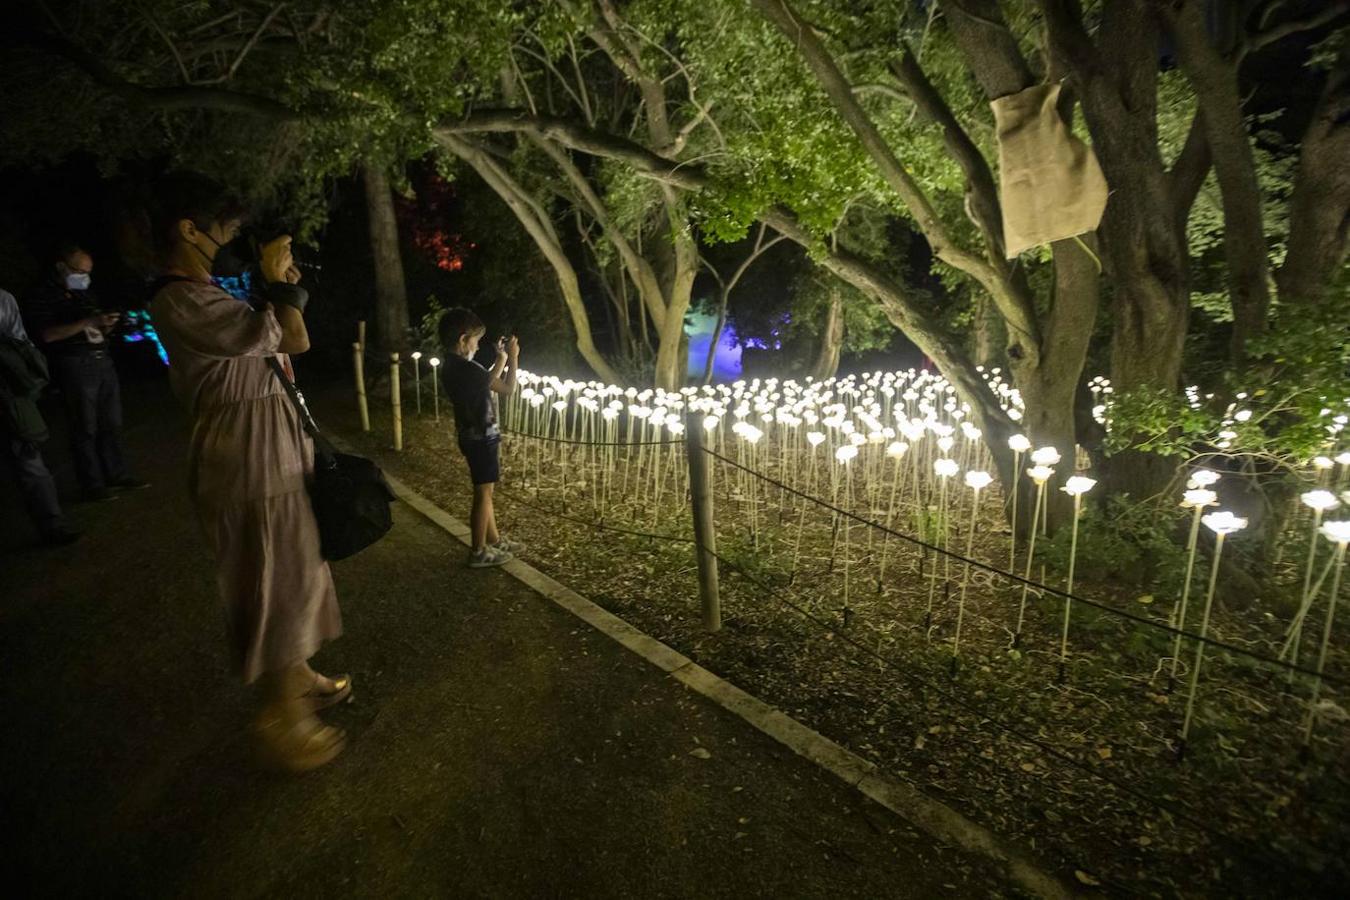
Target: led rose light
point(435, 387)
point(1203, 478)
point(945, 443)
point(1040, 474)
point(1197, 498)
point(1337, 532)
point(1222, 523)
point(1045, 456)
point(815, 438)
point(978, 481)
point(710, 423)
point(1323, 462)
point(945, 468)
point(846, 453)
point(897, 449)
point(1321, 501)
point(1076, 486)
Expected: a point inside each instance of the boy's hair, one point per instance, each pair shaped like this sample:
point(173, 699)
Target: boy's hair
point(458, 321)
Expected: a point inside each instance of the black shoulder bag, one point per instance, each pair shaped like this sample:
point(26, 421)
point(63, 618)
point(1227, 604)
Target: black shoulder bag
point(349, 494)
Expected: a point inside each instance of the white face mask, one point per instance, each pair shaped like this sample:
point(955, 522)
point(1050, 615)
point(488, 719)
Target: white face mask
point(77, 281)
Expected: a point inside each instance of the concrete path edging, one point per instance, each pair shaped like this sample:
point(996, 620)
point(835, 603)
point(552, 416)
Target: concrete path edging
point(937, 819)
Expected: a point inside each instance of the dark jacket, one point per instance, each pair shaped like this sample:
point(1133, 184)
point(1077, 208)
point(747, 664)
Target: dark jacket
point(23, 375)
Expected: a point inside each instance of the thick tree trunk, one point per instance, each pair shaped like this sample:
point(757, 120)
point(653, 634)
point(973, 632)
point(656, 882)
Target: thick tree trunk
point(391, 295)
point(831, 340)
point(989, 334)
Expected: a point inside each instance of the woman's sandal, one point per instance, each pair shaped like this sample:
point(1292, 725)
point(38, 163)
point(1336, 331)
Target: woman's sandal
point(297, 746)
point(342, 690)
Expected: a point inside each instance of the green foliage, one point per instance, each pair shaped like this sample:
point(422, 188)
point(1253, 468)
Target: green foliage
point(1122, 542)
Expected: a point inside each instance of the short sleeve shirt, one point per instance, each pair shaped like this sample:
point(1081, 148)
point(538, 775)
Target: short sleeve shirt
point(468, 385)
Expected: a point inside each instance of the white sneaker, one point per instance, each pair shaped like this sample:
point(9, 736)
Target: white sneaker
point(489, 556)
point(510, 546)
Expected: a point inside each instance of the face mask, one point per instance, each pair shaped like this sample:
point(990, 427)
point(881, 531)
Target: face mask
point(77, 281)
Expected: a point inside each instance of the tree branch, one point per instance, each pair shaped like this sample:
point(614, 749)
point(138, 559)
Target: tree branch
point(160, 98)
point(1190, 169)
point(1325, 16)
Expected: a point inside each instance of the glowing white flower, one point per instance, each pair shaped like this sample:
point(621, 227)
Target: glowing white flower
point(978, 480)
point(1019, 443)
point(1319, 500)
point(897, 449)
point(1198, 497)
point(1343, 459)
point(945, 468)
point(1336, 532)
point(815, 438)
point(846, 453)
point(710, 423)
point(1203, 477)
point(1224, 522)
point(1323, 462)
point(1045, 456)
point(417, 354)
point(1040, 474)
point(1078, 485)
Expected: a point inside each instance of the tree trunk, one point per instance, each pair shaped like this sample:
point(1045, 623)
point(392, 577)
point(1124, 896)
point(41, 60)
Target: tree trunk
point(391, 295)
point(831, 340)
point(990, 335)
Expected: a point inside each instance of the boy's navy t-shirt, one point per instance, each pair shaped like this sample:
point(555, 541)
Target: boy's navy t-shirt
point(466, 382)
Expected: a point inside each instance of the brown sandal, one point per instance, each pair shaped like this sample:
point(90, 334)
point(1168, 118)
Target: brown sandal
point(323, 699)
point(297, 746)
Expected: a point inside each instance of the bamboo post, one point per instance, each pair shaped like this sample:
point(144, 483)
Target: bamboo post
point(361, 384)
point(396, 401)
point(705, 532)
point(361, 334)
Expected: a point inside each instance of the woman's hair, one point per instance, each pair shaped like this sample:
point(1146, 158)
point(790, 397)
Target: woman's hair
point(188, 195)
point(458, 321)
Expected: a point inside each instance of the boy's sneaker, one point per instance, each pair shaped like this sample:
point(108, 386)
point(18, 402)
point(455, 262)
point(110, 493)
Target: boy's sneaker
point(508, 545)
point(487, 557)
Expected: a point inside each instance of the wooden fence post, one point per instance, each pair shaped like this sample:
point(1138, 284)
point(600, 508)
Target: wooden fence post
point(705, 532)
point(361, 385)
point(396, 400)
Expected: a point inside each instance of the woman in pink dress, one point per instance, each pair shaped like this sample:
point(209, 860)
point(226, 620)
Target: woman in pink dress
point(248, 464)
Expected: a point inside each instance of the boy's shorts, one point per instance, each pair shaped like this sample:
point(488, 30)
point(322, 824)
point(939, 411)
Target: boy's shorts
point(482, 457)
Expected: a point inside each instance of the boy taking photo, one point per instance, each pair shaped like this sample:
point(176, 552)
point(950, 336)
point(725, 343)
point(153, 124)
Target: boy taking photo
point(470, 388)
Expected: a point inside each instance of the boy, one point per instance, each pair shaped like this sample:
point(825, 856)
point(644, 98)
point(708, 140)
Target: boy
point(470, 388)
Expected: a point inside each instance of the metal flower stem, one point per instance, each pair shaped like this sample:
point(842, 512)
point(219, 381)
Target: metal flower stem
point(965, 577)
point(896, 478)
point(848, 494)
point(942, 542)
point(1017, 480)
point(417, 383)
point(1068, 592)
point(1204, 632)
point(1296, 635)
point(1311, 719)
point(1191, 547)
point(1031, 555)
point(436, 395)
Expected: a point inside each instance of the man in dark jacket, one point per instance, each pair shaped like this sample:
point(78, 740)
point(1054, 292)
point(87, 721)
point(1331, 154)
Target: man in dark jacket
point(63, 315)
point(23, 374)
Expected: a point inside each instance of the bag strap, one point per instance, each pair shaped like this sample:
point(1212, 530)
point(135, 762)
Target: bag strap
point(298, 400)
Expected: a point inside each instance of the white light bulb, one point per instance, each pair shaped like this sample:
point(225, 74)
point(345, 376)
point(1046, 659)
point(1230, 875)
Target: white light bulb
point(1078, 484)
point(1203, 477)
point(1197, 497)
point(1040, 474)
point(1045, 456)
point(1320, 500)
point(417, 354)
point(434, 362)
point(1336, 532)
point(1224, 522)
point(978, 480)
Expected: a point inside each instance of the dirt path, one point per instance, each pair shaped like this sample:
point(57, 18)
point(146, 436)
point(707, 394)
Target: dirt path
point(500, 748)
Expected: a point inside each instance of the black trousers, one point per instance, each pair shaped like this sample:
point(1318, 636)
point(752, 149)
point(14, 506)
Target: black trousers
point(35, 482)
point(93, 398)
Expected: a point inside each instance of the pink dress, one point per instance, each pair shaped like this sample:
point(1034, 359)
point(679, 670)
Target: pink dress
point(247, 467)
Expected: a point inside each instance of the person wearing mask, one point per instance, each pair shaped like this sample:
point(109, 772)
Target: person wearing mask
point(23, 374)
point(65, 317)
point(249, 461)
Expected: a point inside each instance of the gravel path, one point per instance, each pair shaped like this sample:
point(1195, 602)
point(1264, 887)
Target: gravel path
point(500, 747)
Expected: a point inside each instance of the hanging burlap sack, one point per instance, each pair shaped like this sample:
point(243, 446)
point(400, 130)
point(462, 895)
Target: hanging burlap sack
point(1052, 187)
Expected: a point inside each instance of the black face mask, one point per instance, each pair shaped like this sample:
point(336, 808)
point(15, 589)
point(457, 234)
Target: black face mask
point(228, 263)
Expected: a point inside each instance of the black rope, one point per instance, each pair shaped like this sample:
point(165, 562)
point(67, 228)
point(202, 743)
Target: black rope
point(557, 515)
point(975, 710)
point(1095, 604)
point(554, 440)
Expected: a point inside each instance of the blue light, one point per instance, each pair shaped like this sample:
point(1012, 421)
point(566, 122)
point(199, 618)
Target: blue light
point(140, 328)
